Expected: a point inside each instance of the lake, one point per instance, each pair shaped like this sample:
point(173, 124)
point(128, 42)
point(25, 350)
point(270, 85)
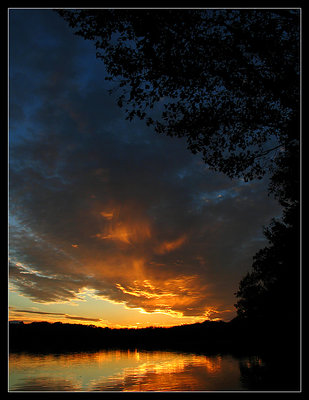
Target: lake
point(129, 370)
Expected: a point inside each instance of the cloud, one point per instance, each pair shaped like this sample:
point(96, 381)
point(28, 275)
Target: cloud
point(45, 313)
point(37, 312)
point(45, 289)
point(168, 246)
point(83, 318)
point(98, 202)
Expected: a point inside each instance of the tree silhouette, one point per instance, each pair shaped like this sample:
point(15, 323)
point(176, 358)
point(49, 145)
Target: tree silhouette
point(270, 293)
point(227, 80)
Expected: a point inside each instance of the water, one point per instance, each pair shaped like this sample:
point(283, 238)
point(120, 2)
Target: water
point(127, 370)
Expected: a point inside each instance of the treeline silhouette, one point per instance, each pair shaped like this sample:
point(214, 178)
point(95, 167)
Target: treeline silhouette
point(212, 336)
point(65, 336)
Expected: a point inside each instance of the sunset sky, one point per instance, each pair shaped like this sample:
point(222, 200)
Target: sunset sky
point(110, 223)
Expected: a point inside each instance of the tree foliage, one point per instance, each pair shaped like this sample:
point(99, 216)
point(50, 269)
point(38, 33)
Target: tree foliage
point(271, 291)
point(227, 80)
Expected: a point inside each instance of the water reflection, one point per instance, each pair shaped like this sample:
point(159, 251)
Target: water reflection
point(118, 370)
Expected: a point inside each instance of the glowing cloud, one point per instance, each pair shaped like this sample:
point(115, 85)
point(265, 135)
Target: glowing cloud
point(124, 224)
point(166, 247)
point(107, 214)
point(176, 296)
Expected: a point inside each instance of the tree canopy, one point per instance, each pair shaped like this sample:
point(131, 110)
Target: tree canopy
point(270, 292)
point(227, 80)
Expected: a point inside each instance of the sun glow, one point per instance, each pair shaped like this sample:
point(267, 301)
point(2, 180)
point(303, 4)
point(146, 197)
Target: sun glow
point(123, 266)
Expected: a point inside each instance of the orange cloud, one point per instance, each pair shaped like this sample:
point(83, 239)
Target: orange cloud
point(168, 246)
point(124, 224)
point(175, 296)
point(120, 258)
point(107, 214)
point(126, 233)
point(119, 233)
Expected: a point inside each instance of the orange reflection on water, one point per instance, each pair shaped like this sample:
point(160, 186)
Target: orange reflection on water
point(123, 370)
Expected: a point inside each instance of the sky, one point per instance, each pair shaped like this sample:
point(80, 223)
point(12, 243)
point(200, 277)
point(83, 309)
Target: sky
point(110, 223)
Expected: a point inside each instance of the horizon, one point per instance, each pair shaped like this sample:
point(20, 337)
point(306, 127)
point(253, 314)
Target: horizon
point(113, 328)
point(119, 327)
